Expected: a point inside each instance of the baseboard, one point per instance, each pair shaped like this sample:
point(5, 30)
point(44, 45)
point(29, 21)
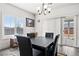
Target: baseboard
point(68, 46)
point(62, 54)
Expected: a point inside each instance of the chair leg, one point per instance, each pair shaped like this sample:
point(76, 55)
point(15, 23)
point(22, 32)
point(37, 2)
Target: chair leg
point(56, 52)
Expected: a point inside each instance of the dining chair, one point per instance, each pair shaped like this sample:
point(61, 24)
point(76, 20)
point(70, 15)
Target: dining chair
point(49, 35)
point(25, 47)
point(31, 35)
point(52, 51)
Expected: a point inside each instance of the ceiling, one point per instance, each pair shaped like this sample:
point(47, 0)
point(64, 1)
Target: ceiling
point(31, 7)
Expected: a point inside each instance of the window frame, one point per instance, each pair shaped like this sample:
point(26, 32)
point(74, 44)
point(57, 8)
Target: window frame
point(15, 31)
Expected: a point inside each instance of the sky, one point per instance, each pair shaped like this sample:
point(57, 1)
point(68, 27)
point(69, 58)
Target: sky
point(10, 21)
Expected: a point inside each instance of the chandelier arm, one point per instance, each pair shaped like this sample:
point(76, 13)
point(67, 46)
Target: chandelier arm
point(44, 10)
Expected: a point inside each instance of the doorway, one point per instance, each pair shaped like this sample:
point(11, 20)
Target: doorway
point(69, 31)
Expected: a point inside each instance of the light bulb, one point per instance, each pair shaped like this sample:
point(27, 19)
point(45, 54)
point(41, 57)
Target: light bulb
point(45, 12)
point(49, 9)
point(45, 6)
point(39, 12)
point(38, 9)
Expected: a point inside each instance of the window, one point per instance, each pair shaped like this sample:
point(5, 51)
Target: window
point(13, 25)
point(69, 28)
point(9, 25)
point(19, 26)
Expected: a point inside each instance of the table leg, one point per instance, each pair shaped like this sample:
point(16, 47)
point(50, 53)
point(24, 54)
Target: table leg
point(46, 53)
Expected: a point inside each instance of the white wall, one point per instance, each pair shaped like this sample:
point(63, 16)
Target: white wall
point(52, 25)
point(10, 10)
point(60, 12)
point(39, 26)
point(56, 13)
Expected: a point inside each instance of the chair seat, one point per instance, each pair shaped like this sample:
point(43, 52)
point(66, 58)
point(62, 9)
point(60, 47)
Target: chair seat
point(36, 52)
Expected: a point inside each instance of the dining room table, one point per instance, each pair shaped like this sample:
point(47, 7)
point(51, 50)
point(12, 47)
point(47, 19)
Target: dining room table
point(42, 43)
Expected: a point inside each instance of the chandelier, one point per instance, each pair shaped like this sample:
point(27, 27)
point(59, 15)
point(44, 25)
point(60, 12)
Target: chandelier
point(44, 9)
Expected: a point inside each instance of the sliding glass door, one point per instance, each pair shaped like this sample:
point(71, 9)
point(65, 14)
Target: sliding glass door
point(69, 31)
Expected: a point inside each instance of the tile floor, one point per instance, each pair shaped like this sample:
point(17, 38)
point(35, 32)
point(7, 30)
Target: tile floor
point(62, 51)
point(69, 51)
